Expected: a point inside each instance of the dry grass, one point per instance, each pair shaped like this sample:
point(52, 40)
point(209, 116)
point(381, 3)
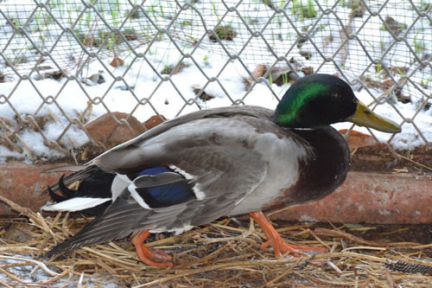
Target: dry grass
point(223, 254)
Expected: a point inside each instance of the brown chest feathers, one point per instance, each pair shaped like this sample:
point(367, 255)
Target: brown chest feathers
point(322, 173)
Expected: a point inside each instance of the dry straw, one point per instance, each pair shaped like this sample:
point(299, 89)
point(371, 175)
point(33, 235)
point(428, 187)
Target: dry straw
point(224, 254)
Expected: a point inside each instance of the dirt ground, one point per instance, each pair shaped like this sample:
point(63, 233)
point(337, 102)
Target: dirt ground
point(381, 158)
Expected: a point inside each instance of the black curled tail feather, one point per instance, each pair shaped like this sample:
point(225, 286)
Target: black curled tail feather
point(77, 176)
point(94, 183)
point(68, 193)
point(54, 196)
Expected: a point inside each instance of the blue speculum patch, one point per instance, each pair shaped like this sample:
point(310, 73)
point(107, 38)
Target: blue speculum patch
point(167, 194)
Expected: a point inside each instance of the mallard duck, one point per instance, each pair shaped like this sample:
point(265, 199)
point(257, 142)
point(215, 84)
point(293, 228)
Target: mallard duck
point(227, 161)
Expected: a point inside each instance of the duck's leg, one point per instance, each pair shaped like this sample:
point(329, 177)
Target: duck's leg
point(153, 258)
point(280, 247)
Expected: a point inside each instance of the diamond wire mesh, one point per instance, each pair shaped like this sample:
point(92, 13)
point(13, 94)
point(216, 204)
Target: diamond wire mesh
point(58, 61)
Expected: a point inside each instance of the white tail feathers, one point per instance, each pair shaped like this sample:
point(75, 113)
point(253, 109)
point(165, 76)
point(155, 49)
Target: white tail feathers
point(75, 204)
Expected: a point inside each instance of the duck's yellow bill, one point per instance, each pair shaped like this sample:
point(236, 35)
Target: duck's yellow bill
point(363, 116)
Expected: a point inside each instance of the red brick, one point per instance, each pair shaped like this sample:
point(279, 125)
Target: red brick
point(114, 128)
point(154, 121)
point(357, 139)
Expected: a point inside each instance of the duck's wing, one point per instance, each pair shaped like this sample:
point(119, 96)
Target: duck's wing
point(105, 160)
point(220, 162)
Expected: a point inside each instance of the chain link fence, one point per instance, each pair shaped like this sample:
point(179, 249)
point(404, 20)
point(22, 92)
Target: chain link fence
point(65, 63)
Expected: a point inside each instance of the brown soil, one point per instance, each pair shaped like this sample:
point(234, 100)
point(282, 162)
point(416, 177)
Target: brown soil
point(381, 158)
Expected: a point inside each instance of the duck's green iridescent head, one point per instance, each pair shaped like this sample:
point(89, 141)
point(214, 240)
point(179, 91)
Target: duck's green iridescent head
point(320, 99)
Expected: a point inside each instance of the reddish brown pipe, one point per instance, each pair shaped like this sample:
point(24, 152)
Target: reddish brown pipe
point(402, 198)
point(365, 197)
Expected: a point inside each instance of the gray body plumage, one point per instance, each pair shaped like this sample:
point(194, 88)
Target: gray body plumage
point(237, 159)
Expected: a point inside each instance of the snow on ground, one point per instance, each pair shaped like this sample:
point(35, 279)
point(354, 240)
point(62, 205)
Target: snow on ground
point(136, 88)
point(36, 274)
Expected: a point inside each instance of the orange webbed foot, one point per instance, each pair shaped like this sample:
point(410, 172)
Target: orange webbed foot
point(280, 247)
point(153, 258)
